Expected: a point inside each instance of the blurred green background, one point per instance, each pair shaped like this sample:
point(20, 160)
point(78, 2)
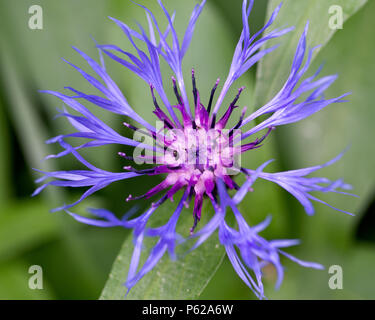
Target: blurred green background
point(75, 258)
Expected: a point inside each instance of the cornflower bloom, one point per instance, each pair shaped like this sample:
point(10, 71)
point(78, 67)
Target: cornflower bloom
point(194, 149)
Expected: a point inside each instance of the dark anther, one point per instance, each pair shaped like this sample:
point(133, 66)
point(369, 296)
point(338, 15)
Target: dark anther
point(212, 96)
point(168, 124)
point(241, 119)
point(174, 168)
point(130, 126)
point(159, 113)
point(239, 122)
point(176, 91)
point(191, 193)
point(134, 128)
point(237, 96)
point(144, 171)
point(160, 201)
point(194, 86)
point(123, 155)
point(266, 135)
point(154, 98)
point(213, 121)
point(236, 186)
point(194, 225)
point(244, 170)
point(214, 195)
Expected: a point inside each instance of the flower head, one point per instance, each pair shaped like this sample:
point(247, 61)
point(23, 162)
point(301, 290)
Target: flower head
point(191, 146)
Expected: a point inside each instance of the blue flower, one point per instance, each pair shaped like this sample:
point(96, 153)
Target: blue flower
point(196, 151)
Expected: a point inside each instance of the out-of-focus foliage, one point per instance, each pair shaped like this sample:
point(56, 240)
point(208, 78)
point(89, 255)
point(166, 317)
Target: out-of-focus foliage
point(184, 278)
point(77, 259)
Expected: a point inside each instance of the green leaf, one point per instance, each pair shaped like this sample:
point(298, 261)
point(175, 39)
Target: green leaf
point(274, 68)
point(343, 124)
point(328, 237)
point(184, 278)
point(340, 125)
